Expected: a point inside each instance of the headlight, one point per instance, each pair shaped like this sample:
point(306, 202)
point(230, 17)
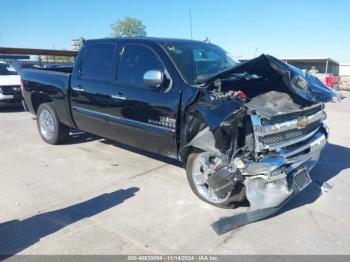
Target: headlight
point(299, 82)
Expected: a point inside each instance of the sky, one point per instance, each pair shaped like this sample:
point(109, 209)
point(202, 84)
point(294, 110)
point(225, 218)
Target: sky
point(285, 28)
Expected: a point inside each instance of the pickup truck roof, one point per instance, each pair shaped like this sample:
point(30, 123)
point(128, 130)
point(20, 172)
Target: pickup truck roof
point(155, 40)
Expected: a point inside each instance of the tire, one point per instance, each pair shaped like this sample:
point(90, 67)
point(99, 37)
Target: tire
point(51, 130)
point(229, 202)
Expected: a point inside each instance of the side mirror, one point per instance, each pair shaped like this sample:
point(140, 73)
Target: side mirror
point(153, 78)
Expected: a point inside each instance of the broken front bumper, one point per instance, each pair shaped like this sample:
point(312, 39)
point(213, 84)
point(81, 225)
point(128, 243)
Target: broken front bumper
point(271, 182)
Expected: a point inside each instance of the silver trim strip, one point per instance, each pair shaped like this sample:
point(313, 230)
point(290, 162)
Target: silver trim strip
point(122, 120)
point(118, 97)
point(78, 89)
point(139, 124)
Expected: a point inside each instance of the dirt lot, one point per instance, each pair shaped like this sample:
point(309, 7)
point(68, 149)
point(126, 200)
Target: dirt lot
point(92, 196)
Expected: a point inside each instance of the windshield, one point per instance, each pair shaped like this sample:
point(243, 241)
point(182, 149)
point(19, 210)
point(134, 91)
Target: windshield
point(6, 70)
point(199, 62)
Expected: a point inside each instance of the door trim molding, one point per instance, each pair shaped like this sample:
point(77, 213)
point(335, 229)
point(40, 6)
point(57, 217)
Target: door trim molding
point(124, 121)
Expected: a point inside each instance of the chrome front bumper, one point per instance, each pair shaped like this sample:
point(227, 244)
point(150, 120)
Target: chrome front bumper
point(307, 152)
point(269, 182)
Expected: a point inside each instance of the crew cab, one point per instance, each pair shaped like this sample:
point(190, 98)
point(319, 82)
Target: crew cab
point(242, 131)
point(10, 83)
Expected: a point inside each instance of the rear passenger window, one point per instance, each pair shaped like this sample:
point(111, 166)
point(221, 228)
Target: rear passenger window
point(98, 62)
point(135, 62)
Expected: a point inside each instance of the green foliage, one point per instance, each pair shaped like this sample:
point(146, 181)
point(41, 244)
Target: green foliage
point(128, 27)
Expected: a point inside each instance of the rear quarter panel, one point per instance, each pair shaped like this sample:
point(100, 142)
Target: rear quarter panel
point(41, 86)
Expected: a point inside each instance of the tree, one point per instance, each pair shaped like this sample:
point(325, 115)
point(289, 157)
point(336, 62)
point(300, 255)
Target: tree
point(128, 27)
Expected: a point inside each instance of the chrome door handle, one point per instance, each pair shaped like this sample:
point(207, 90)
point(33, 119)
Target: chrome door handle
point(78, 89)
point(118, 97)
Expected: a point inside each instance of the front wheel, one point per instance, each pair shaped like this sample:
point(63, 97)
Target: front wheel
point(198, 169)
point(51, 130)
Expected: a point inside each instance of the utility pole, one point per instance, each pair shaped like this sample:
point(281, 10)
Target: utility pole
point(191, 23)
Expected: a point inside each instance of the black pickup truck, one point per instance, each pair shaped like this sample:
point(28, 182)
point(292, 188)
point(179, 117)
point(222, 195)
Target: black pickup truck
point(248, 130)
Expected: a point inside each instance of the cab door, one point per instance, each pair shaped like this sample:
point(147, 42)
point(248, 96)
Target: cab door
point(90, 88)
point(144, 116)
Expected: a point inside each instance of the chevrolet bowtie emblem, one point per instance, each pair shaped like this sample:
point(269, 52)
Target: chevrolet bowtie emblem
point(303, 122)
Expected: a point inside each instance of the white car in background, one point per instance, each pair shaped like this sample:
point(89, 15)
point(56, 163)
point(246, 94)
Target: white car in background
point(10, 85)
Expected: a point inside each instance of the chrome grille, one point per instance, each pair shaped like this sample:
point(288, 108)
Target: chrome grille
point(273, 134)
point(289, 135)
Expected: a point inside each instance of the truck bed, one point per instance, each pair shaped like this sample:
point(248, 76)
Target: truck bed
point(48, 85)
point(66, 69)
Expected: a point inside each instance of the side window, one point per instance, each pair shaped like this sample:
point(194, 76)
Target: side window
point(135, 62)
point(98, 62)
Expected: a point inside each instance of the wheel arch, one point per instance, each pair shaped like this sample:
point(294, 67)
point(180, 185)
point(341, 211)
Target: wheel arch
point(38, 99)
point(203, 141)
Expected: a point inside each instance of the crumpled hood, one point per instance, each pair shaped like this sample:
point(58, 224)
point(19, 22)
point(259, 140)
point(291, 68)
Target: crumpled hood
point(320, 91)
point(266, 65)
point(10, 80)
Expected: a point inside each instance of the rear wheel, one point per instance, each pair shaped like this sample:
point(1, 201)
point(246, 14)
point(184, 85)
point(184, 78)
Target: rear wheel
point(51, 130)
point(198, 169)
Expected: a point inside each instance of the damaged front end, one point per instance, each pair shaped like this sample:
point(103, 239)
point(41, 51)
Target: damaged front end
point(285, 153)
point(261, 126)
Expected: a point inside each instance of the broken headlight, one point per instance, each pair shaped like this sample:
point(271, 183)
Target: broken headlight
point(300, 83)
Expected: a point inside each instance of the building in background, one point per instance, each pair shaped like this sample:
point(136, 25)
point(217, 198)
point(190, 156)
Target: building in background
point(322, 66)
point(11, 58)
point(20, 57)
point(326, 69)
point(344, 72)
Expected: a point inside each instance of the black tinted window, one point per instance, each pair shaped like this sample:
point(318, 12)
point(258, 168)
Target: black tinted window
point(6, 70)
point(198, 62)
point(135, 62)
point(98, 62)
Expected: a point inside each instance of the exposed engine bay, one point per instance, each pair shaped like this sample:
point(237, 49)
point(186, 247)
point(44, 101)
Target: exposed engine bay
point(260, 130)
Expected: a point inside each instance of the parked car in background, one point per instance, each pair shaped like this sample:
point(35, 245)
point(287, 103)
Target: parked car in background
point(10, 85)
point(19, 65)
point(51, 66)
point(58, 65)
